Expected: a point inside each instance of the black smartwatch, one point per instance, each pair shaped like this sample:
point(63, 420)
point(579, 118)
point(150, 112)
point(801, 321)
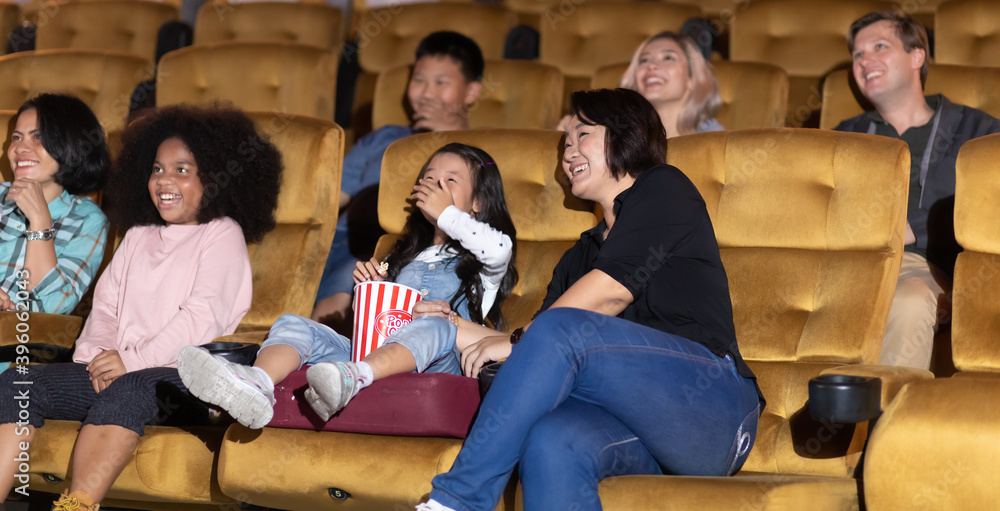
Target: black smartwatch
point(515, 336)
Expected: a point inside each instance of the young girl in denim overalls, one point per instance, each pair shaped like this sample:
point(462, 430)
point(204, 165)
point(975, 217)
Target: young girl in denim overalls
point(457, 250)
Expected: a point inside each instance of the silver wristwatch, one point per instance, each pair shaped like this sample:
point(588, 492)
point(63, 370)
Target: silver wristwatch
point(44, 234)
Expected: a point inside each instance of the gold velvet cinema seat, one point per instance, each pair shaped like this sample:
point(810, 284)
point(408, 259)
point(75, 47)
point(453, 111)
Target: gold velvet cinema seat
point(123, 25)
point(580, 40)
point(302, 468)
point(806, 38)
point(175, 468)
point(103, 79)
point(967, 32)
point(935, 446)
point(388, 38)
point(276, 76)
point(515, 94)
point(393, 39)
point(315, 24)
point(978, 87)
point(810, 228)
point(754, 95)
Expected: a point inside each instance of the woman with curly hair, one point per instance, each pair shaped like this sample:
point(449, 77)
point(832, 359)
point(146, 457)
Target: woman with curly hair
point(192, 186)
point(51, 239)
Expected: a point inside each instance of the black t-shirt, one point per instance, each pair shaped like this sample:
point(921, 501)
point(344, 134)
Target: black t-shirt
point(917, 139)
point(662, 248)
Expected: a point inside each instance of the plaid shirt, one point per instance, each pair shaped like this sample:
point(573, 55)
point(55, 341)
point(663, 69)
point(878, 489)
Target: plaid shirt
point(81, 231)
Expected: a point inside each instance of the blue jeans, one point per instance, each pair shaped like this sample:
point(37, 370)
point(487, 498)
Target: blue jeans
point(585, 396)
point(430, 339)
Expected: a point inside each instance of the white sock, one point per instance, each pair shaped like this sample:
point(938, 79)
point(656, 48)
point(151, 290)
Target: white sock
point(433, 505)
point(265, 378)
point(365, 374)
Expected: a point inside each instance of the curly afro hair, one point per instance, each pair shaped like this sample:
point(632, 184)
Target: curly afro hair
point(239, 169)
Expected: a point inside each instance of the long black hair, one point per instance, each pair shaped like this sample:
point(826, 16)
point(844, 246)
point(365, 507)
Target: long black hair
point(487, 191)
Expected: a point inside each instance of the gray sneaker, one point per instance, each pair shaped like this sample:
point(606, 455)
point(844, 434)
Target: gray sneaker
point(331, 387)
point(236, 388)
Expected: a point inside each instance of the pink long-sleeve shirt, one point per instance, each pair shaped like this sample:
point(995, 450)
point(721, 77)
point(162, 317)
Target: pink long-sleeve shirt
point(166, 288)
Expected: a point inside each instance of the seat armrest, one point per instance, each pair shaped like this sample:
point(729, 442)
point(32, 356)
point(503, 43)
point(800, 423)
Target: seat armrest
point(893, 378)
point(254, 337)
point(59, 330)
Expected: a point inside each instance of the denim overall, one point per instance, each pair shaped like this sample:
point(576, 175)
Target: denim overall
point(431, 339)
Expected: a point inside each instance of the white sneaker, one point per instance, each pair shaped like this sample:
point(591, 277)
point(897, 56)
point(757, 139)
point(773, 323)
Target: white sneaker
point(331, 387)
point(237, 389)
point(432, 505)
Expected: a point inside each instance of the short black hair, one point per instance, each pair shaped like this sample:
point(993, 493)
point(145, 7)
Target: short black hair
point(239, 169)
point(909, 31)
point(462, 49)
point(74, 138)
point(635, 140)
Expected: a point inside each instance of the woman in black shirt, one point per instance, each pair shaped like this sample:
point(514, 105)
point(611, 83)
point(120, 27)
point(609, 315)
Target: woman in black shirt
point(632, 365)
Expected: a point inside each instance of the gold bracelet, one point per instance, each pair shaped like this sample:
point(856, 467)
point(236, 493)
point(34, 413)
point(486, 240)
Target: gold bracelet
point(453, 318)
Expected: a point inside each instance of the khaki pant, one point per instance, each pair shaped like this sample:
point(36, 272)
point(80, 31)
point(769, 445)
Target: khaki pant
point(909, 334)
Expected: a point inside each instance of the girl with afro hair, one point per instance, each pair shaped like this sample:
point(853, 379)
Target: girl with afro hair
point(192, 187)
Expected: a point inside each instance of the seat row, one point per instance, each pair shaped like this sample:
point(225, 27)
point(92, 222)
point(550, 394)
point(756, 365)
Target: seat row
point(812, 265)
point(297, 79)
point(804, 37)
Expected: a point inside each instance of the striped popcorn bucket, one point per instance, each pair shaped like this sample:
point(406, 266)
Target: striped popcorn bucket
point(380, 308)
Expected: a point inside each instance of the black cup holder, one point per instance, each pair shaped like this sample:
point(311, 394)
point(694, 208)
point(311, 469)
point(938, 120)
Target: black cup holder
point(845, 399)
point(486, 375)
point(239, 352)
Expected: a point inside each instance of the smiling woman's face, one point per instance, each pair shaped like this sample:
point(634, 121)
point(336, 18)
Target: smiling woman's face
point(584, 161)
point(662, 75)
point(28, 157)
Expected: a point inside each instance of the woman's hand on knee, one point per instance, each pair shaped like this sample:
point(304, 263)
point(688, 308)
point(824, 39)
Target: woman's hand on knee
point(486, 350)
point(370, 270)
point(105, 368)
point(439, 308)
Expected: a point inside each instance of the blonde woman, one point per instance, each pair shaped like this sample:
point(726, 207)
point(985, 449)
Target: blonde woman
point(668, 69)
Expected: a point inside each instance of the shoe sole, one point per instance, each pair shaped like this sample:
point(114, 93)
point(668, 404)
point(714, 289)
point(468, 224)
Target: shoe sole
point(325, 389)
point(209, 380)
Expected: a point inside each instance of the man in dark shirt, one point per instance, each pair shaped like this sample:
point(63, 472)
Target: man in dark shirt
point(890, 66)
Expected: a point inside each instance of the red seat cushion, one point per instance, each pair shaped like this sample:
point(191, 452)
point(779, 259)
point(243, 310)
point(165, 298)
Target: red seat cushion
point(410, 404)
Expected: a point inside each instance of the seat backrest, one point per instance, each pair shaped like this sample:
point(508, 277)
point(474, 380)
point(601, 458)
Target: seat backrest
point(805, 38)
point(315, 24)
point(284, 77)
point(123, 25)
point(515, 94)
point(288, 262)
point(753, 95)
point(975, 293)
point(810, 227)
point(978, 87)
point(391, 36)
point(596, 34)
point(547, 217)
point(102, 79)
point(967, 32)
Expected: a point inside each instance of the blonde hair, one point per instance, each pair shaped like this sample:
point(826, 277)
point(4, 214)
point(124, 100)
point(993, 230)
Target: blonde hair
point(704, 100)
